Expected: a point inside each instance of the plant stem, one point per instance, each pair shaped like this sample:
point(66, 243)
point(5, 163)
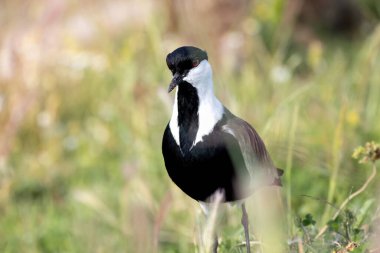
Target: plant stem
point(353, 195)
point(336, 152)
point(289, 164)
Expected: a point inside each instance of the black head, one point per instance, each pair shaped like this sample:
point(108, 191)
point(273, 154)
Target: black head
point(181, 61)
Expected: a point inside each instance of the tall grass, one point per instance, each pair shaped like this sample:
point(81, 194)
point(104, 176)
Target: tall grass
point(289, 165)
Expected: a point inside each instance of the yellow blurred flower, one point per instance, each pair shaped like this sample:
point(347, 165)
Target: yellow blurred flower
point(352, 118)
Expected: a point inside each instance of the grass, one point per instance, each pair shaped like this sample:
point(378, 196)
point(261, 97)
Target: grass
point(83, 106)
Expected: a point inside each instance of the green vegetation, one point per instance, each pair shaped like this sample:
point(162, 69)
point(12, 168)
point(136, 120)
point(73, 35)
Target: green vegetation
point(83, 105)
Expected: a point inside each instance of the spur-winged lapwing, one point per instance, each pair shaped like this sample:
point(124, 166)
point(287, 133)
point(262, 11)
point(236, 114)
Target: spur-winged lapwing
point(206, 148)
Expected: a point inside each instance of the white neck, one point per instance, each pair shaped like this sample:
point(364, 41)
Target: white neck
point(173, 124)
point(210, 111)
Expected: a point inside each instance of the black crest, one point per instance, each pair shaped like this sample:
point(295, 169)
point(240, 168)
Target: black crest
point(184, 58)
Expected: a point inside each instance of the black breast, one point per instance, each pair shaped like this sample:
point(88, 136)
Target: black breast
point(188, 103)
point(215, 163)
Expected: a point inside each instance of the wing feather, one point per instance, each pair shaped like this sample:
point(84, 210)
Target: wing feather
point(257, 160)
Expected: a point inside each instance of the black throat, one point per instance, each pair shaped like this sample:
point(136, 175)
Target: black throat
point(188, 120)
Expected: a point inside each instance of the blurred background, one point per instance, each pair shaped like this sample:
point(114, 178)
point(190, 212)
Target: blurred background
point(83, 106)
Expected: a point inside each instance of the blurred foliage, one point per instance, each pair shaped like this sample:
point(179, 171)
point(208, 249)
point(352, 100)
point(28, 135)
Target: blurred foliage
point(83, 106)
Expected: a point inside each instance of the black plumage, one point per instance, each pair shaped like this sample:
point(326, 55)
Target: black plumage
point(188, 123)
point(217, 163)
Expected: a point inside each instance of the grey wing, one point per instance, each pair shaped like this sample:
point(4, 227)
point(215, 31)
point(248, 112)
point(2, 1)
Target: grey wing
point(257, 160)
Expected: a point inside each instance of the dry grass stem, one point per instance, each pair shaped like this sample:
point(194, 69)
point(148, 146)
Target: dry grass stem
point(349, 198)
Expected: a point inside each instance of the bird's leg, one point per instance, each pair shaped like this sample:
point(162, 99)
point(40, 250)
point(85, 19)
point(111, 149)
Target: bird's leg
point(215, 246)
point(244, 222)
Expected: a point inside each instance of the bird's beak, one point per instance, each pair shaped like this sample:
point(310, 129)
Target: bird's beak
point(177, 78)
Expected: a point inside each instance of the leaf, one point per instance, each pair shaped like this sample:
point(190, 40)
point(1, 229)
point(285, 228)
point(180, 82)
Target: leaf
point(334, 225)
point(308, 220)
point(357, 231)
point(350, 217)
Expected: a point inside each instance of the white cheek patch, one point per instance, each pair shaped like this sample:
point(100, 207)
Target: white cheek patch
point(197, 74)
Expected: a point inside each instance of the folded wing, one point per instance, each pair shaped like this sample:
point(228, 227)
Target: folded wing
point(257, 160)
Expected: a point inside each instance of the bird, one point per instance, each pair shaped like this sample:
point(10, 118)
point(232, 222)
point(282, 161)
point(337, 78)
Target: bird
point(206, 148)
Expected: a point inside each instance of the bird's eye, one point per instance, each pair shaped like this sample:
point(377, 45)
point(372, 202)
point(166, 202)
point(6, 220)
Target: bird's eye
point(195, 63)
